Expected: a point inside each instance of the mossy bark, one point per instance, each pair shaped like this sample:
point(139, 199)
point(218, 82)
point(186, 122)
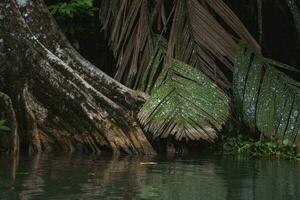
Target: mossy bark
point(56, 98)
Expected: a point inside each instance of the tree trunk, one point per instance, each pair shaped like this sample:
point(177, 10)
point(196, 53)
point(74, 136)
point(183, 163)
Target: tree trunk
point(52, 97)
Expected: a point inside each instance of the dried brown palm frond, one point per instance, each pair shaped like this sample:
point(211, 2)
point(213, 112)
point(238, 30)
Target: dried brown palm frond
point(127, 25)
point(205, 34)
point(202, 33)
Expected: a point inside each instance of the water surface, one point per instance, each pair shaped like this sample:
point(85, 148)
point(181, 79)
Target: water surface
point(205, 177)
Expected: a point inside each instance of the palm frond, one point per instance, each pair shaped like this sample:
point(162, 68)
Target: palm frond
point(198, 38)
point(155, 66)
point(127, 25)
point(159, 18)
point(267, 99)
point(185, 104)
point(204, 34)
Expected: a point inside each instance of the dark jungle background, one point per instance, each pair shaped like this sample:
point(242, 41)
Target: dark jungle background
point(280, 40)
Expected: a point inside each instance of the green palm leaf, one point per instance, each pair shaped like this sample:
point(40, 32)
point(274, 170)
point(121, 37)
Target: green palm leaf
point(185, 104)
point(267, 99)
point(156, 64)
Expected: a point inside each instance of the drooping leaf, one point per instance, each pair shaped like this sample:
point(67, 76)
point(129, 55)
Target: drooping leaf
point(239, 75)
point(128, 28)
point(203, 34)
point(199, 37)
point(155, 66)
point(185, 104)
point(267, 99)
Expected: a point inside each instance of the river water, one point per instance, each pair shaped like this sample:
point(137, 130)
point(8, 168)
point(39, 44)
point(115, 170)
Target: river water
point(202, 177)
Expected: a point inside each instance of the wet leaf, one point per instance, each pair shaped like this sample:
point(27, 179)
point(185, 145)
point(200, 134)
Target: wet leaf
point(185, 104)
point(267, 99)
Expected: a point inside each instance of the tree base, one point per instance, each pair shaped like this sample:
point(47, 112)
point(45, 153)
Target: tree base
point(53, 98)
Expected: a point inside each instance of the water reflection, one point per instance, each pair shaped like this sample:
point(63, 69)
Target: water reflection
point(88, 177)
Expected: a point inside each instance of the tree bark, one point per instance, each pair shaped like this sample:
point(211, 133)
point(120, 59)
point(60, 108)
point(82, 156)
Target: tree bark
point(58, 100)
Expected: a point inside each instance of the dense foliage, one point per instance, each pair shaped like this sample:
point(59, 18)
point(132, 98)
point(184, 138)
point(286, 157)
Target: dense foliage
point(79, 20)
point(244, 145)
point(75, 16)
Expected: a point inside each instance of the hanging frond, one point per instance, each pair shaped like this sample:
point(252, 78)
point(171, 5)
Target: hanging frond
point(267, 99)
point(201, 40)
point(155, 66)
point(127, 26)
point(185, 104)
point(159, 18)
